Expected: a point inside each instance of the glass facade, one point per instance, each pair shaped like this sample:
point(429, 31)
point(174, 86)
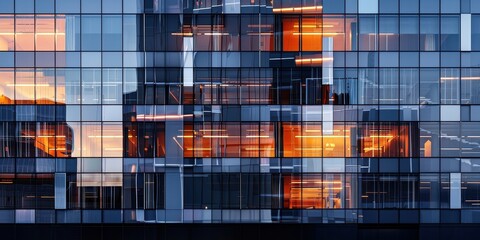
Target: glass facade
point(240, 111)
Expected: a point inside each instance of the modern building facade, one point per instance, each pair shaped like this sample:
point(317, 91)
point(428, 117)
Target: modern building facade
point(342, 112)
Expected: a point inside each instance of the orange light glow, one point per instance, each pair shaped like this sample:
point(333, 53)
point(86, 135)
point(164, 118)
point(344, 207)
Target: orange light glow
point(314, 26)
point(316, 34)
point(187, 34)
point(312, 192)
point(311, 61)
point(301, 142)
point(298, 9)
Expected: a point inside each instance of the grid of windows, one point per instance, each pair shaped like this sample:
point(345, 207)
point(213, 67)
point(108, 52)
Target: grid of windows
point(213, 111)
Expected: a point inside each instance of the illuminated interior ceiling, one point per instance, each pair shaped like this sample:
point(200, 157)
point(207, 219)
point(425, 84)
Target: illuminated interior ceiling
point(7, 35)
point(313, 192)
point(309, 141)
point(29, 87)
point(308, 33)
point(298, 141)
point(54, 142)
point(28, 33)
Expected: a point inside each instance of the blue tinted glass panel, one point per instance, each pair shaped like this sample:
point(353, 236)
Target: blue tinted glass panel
point(91, 6)
point(429, 33)
point(24, 6)
point(68, 6)
point(132, 6)
point(333, 6)
point(6, 6)
point(429, 6)
point(112, 33)
point(112, 6)
point(91, 33)
point(451, 6)
point(475, 33)
point(450, 27)
point(6, 59)
point(389, 6)
point(409, 6)
point(44, 6)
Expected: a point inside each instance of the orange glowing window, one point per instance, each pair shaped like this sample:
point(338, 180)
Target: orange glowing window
point(24, 86)
point(258, 141)
point(45, 33)
point(310, 140)
point(24, 33)
point(7, 33)
point(112, 140)
point(313, 191)
point(311, 32)
point(7, 88)
point(91, 144)
point(292, 145)
point(297, 9)
point(53, 140)
point(64, 140)
point(290, 39)
point(315, 140)
point(45, 140)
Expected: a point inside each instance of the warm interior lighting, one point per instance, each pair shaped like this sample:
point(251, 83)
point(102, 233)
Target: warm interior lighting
point(372, 148)
point(59, 149)
point(185, 136)
point(381, 136)
point(301, 142)
point(51, 136)
point(217, 136)
point(113, 148)
point(308, 61)
point(309, 149)
point(187, 34)
point(427, 148)
point(319, 136)
point(257, 149)
point(317, 182)
point(314, 26)
point(298, 9)
point(104, 136)
point(199, 149)
point(316, 34)
point(28, 85)
point(257, 136)
point(38, 33)
point(312, 192)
